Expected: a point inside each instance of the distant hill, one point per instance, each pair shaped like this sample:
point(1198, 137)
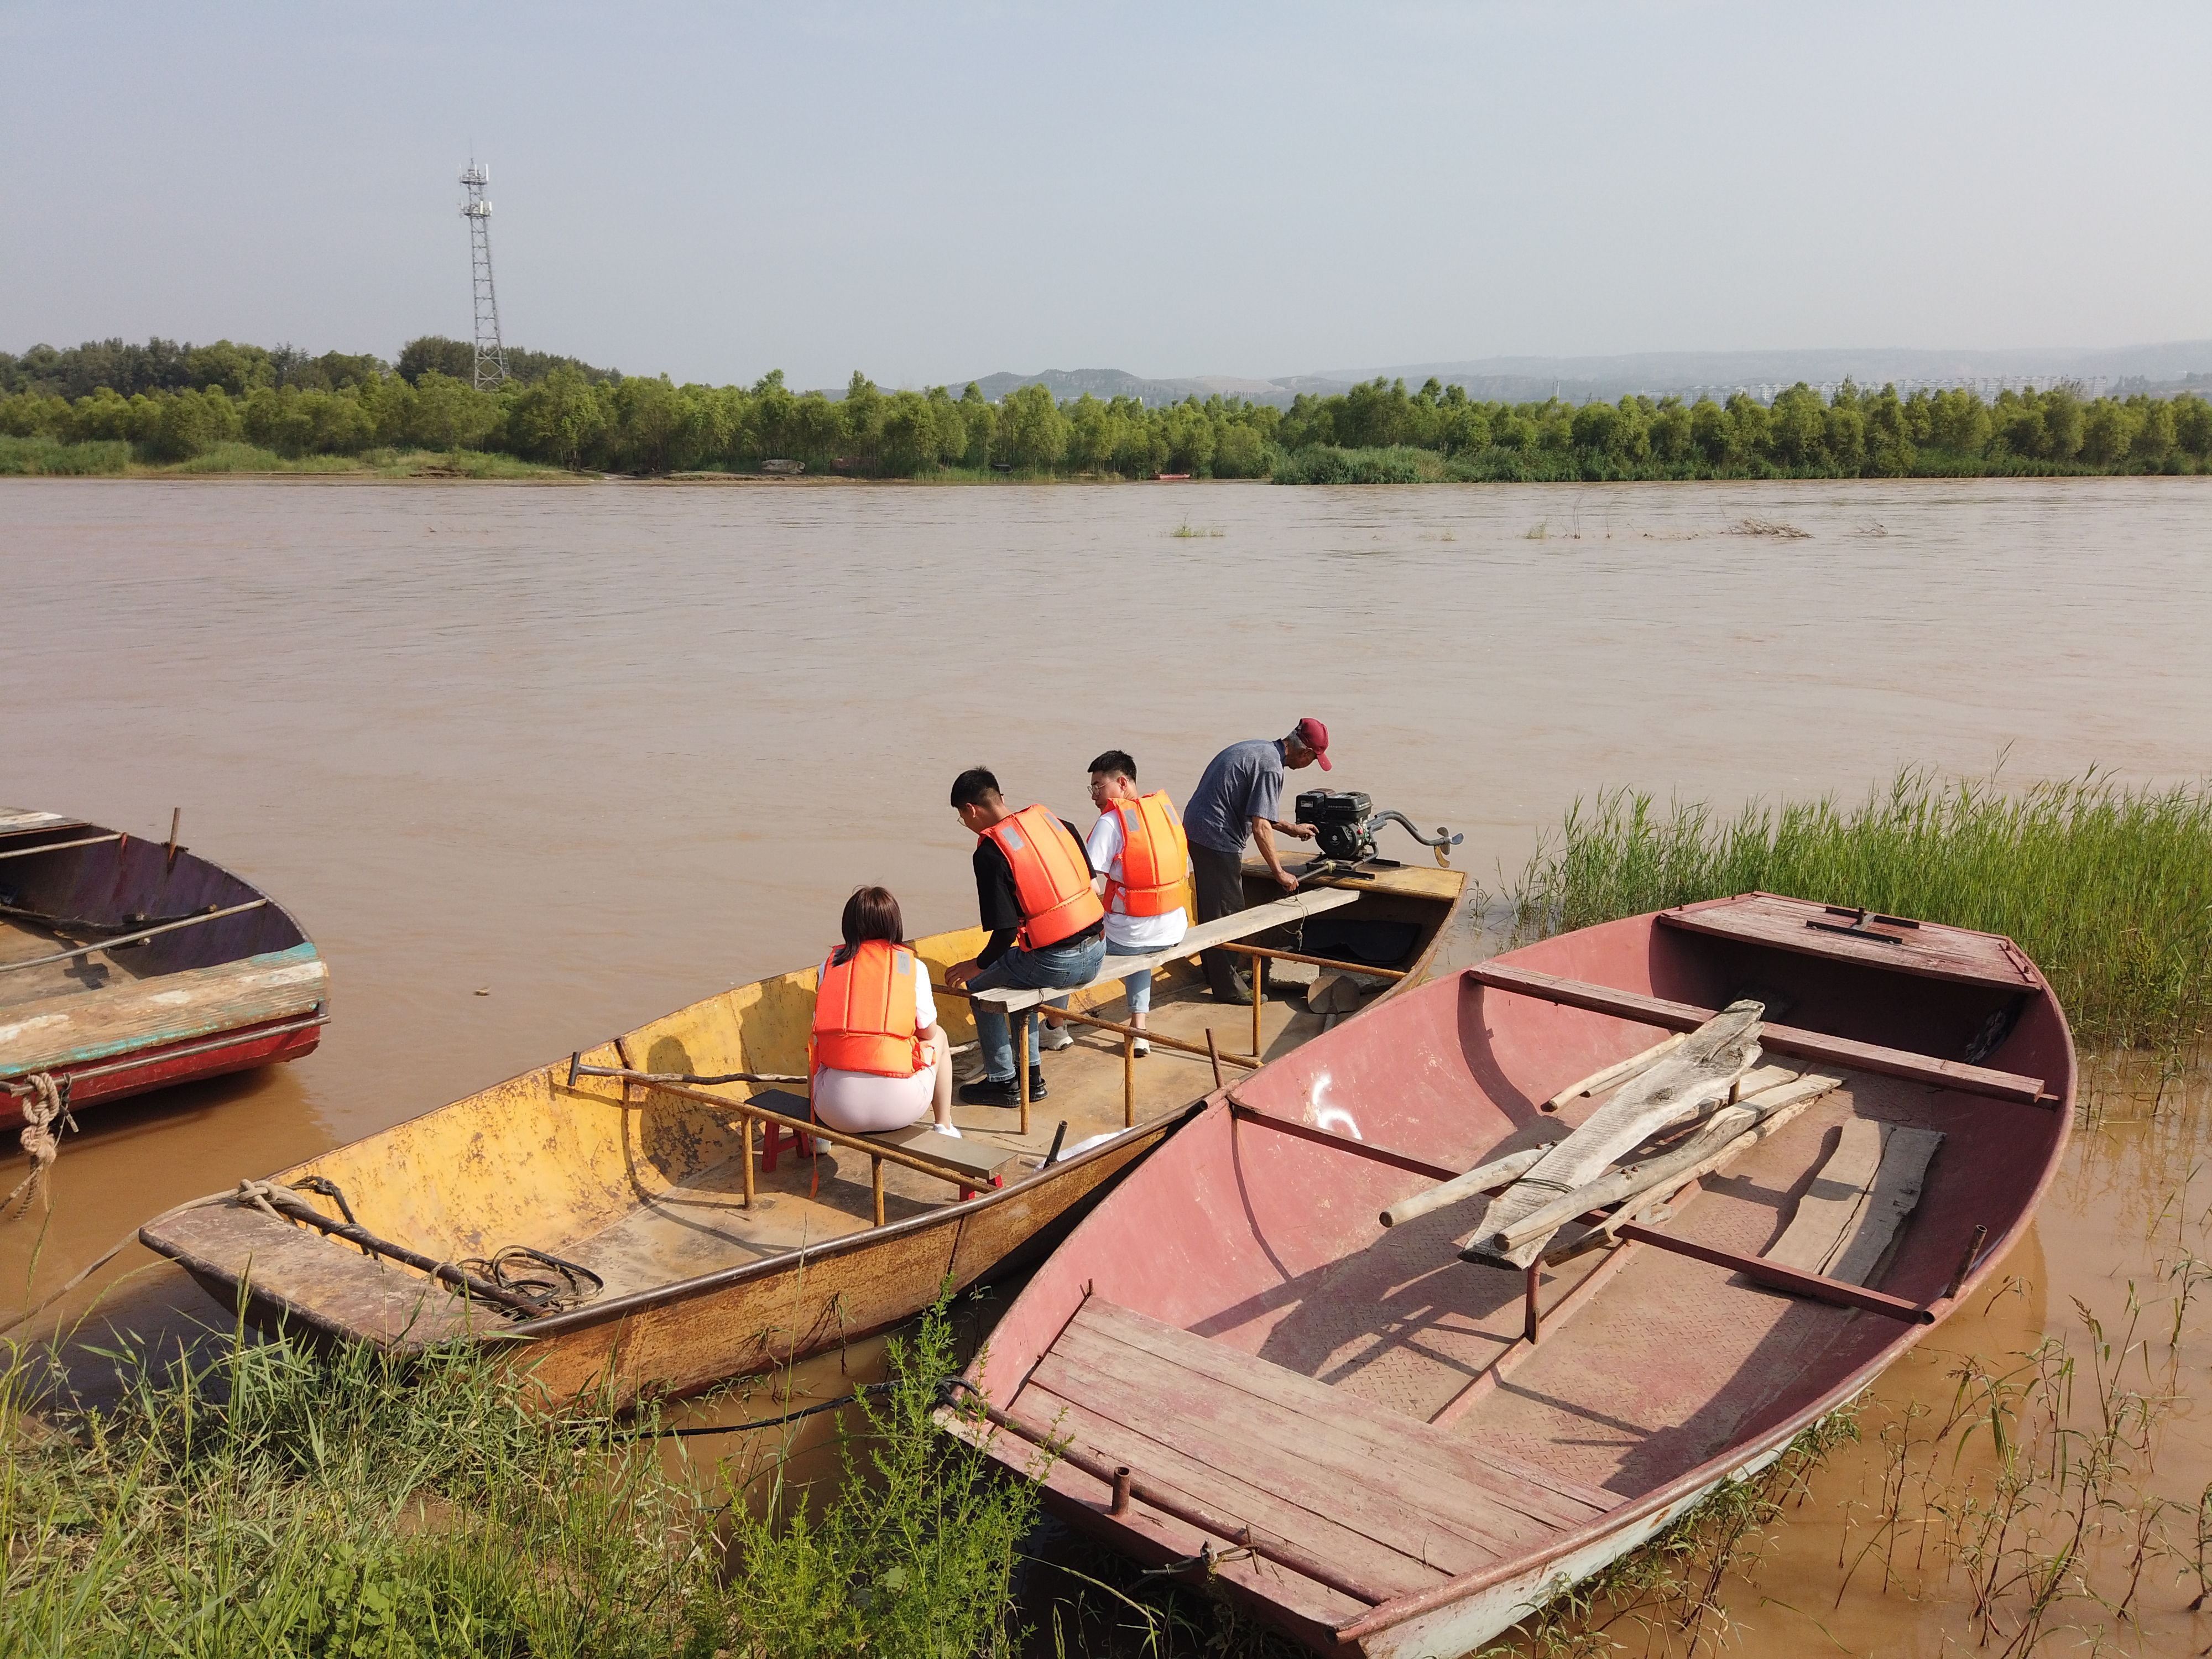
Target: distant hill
point(1579, 380)
point(2164, 368)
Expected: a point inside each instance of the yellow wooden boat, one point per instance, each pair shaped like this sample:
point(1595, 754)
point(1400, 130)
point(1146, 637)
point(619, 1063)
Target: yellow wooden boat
point(620, 1231)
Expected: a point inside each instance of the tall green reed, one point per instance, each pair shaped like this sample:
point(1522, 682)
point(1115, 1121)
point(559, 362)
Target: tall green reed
point(2108, 889)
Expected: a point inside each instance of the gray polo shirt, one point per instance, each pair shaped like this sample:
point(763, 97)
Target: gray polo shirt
point(1243, 782)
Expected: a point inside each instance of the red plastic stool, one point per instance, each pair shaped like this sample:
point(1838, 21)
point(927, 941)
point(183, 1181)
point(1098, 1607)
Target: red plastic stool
point(772, 1144)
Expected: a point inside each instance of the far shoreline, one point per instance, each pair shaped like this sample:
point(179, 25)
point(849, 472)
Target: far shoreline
point(560, 478)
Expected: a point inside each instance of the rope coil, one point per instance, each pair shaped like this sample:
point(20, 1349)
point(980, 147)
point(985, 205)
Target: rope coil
point(47, 1105)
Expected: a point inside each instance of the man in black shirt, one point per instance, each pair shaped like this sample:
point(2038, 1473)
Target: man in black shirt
point(1051, 896)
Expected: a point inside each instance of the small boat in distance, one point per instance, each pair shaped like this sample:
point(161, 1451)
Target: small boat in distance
point(620, 1221)
point(1330, 1345)
point(127, 964)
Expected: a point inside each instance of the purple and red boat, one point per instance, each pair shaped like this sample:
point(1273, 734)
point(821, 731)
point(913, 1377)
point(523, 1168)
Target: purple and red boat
point(128, 964)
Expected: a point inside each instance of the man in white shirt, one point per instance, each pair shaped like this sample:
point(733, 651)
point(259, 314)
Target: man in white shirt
point(1162, 861)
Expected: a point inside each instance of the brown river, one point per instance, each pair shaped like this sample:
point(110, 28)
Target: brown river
point(534, 763)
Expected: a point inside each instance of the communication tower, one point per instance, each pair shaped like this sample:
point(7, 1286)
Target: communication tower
point(491, 353)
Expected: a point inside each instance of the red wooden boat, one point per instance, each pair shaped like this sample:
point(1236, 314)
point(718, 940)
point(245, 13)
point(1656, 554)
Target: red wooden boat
point(1389, 1447)
point(126, 965)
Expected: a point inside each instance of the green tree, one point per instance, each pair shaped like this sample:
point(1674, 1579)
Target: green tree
point(451, 414)
point(560, 420)
point(1798, 427)
point(2154, 440)
point(433, 354)
point(1032, 433)
point(1890, 453)
point(979, 418)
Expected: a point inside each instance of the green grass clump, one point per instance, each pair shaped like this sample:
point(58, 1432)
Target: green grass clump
point(271, 1503)
point(1325, 463)
point(251, 458)
point(49, 458)
point(913, 1555)
point(2109, 890)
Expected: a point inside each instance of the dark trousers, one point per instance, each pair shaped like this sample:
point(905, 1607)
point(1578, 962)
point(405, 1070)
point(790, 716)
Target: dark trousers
point(1217, 879)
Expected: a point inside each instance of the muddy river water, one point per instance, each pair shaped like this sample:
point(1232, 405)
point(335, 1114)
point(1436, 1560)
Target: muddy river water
point(534, 763)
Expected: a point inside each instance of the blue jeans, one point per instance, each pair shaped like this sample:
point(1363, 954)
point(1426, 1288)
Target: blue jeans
point(1028, 970)
point(1139, 985)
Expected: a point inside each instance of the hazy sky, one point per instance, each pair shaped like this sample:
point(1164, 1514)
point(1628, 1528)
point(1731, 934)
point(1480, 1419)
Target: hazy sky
point(930, 193)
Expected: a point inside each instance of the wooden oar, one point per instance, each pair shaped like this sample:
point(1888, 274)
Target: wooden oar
point(1617, 1073)
point(1730, 1130)
point(1498, 1173)
point(132, 939)
point(1695, 1076)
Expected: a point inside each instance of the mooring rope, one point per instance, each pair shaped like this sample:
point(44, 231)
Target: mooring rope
point(47, 1104)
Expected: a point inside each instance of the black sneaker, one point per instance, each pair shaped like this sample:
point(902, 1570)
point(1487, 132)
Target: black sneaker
point(1239, 992)
point(1002, 1091)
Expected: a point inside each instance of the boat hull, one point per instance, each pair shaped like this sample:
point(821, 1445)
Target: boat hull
point(1288, 1369)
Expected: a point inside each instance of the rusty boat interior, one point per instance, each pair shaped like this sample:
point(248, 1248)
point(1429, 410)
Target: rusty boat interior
point(632, 1230)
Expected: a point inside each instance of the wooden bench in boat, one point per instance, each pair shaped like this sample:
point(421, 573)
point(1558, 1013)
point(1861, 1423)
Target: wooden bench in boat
point(1276, 913)
point(1891, 943)
point(1780, 1039)
point(1366, 1503)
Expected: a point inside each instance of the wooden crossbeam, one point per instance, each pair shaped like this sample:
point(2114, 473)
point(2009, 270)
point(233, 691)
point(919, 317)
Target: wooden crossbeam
point(1775, 1039)
point(1819, 1287)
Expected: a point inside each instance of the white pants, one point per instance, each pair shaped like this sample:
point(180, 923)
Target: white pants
point(862, 1103)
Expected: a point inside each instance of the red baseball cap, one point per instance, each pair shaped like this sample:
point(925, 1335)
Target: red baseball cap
point(1312, 733)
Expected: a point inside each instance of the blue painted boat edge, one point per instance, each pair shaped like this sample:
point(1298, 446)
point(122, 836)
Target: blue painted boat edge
point(302, 952)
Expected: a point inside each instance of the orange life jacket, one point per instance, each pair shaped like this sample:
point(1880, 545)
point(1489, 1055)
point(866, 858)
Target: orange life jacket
point(864, 1013)
point(1052, 877)
point(1154, 855)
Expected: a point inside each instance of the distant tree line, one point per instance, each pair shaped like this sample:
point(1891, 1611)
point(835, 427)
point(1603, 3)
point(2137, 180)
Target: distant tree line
point(171, 403)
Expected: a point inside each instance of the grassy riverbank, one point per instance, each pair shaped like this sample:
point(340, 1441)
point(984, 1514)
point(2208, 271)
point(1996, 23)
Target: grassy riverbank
point(271, 1503)
point(47, 458)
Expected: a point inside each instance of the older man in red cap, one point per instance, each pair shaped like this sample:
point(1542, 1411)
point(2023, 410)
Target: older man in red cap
point(1237, 801)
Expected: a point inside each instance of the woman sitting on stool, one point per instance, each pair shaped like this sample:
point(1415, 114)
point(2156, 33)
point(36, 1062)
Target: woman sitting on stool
point(877, 1055)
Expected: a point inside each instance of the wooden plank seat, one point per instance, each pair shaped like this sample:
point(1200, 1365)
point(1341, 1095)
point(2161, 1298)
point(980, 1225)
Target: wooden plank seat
point(1276, 913)
point(1777, 1039)
point(1388, 1500)
point(1892, 944)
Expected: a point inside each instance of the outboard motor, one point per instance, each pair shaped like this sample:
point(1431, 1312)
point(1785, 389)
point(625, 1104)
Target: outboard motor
point(1345, 822)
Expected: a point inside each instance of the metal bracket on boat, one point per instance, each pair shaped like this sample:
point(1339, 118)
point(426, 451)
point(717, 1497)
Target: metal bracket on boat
point(1857, 927)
